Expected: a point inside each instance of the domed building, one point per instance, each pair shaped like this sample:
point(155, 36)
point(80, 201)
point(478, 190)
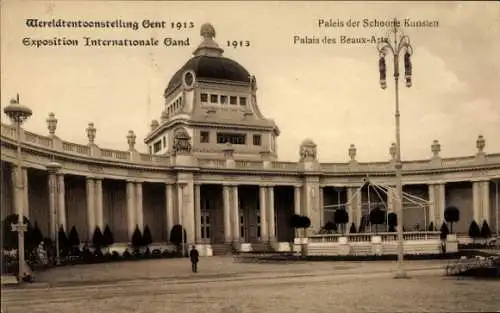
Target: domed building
point(213, 167)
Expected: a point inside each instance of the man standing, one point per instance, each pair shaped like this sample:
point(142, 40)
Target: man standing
point(193, 254)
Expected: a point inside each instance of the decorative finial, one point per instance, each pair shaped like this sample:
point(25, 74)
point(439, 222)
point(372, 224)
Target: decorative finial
point(15, 100)
point(207, 31)
point(154, 124)
point(436, 148)
point(52, 123)
point(352, 152)
point(392, 151)
point(208, 46)
point(480, 143)
point(131, 140)
point(91, 130)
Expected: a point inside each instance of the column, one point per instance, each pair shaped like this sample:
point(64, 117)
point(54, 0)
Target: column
point(90, 190)
point(52, 205)
point(321, 208)
point(99, 215)
point(354, 199)
point(359, 206)
point(17, 192)
point(442, 203)
point(61, 207)
point(270, 214)
point(481, 201)
point(130, 209)
point(235, 214)
point(432, 206)
point(197, 213)
point(139, 216)
point(485, 197)
point(26, 210)
point(264, 235)
point(169, 201)
point(296, 206)
point(227, 214)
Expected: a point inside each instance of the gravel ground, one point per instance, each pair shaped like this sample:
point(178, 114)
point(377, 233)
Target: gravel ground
point(225, 286)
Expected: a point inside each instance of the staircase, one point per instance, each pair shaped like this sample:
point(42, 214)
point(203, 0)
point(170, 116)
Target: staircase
point(221, 249)
point(261, 247)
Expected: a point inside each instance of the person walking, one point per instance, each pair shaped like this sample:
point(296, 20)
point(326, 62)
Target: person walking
point(194, 255)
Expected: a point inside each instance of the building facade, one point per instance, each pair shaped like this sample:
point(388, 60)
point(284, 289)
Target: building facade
point(212, 167)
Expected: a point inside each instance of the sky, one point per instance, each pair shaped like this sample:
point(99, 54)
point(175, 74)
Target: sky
point(329, 93)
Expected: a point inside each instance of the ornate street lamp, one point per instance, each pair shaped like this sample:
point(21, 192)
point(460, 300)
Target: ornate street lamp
point(18, 114)
point(54, 168)
point(400, 45)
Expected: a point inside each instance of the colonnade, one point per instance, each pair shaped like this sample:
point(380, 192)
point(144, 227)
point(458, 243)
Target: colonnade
point(182, 205)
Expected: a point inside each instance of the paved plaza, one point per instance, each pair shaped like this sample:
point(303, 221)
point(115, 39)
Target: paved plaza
point(167, 285)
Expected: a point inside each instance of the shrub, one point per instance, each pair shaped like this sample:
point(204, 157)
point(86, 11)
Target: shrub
point(451, 215)
point(64, 245)
point(444, 231)
point(107, 237)
point(305, 222)
point(330, 227)
point(147, 239)
point(295, 221)
point(431, 227)
point(341, 217)
point(485, 230)
point(36, 235)
point(74, 239)
point(97, 238)
point(377, 217)
point(137, 238)
point(392, 221)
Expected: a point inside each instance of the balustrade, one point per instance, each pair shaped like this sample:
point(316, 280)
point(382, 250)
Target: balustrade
point(9, 131)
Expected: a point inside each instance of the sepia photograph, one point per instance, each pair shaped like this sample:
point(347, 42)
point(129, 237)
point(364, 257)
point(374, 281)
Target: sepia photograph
point(249, 156)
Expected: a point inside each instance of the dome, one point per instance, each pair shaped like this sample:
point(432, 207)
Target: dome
point(209, 63)
point(212, 68)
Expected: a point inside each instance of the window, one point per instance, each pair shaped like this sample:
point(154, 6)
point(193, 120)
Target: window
point(204, 137)
point(223, 99)
point(157, 146)
point(213, 98)
point(233, 100)
point(243, 101)
point(256, 140)
point(205, 224)
point(204, 97)
point(164, 142)
point(235, 139)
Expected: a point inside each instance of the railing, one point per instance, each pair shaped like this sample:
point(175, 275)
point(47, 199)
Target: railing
point(9, 131)
point(367, 237)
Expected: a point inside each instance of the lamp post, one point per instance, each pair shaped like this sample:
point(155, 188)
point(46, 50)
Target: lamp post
point(53, 168)
point(18, 114)
point(496, 213)
point(401, 44)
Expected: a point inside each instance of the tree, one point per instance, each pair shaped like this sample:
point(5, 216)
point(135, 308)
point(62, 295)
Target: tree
point(305, 223)
point(431, 227)
point(64, 245)
point(444, 231)
point(36, 235)
point(474, 231)
point(137, 238)
point(10, 237)
point(451, 215)
point(176, 236)
point(353, 228)
point(341, 217)
point(392, 221)
point(147, 238)
point(97, 239)
point(107, 237)
point(377, 217)
point(295, 221)
point(485, 230)
point(74, 239)
point(365, 220)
